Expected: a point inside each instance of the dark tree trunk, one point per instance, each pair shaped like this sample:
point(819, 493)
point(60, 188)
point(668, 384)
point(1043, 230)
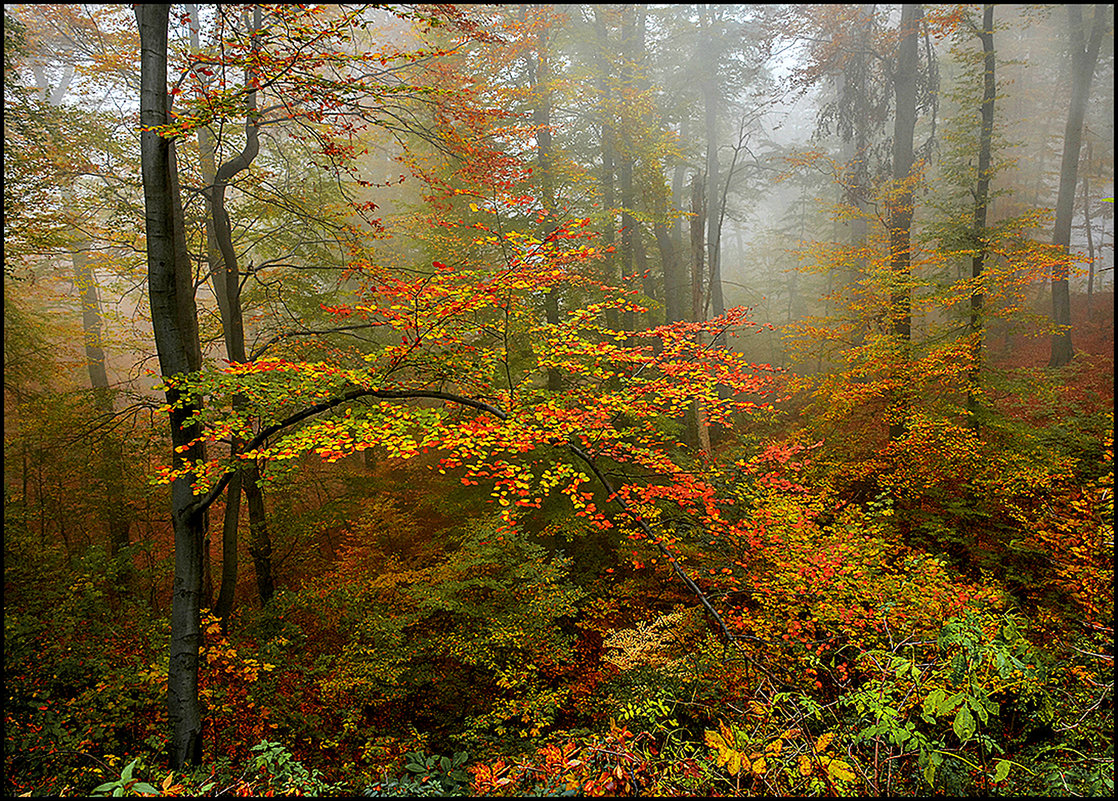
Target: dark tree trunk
point(175, 325)
point(981, 202)
point(1085, 55)
point(229, 530)
point(900, 214)
point(675, 275)
point(259, 538)
point(227, 287)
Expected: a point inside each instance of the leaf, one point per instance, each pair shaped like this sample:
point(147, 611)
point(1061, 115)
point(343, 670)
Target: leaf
point(725, 754)
point(933, 701)
point(964, 724)
point(1002, 770)
point(805, 765)
point(840, 770)
point(824, 741)
point(929, 773)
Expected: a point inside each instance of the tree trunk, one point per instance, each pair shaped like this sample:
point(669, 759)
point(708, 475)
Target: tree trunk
point(698, 221)
point(1090, 234)
point(1085, 55)
point(110, 451)
point(717, 303)
point(900, 213)
point(227, 287)
point(981, 203)
point(609, 199)
point(695, 431)
point(625, 166)
point(229, 530)
point(175, 325)
point(259, 538)
point(675, 275)
point(538, 72)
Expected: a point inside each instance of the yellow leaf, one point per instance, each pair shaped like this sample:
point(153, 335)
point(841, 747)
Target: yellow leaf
point(759, 767)
point(725, 754)
point(823, 741)
point(473, 207)
point(805, 765)
point(840, 770)
point(774, 747)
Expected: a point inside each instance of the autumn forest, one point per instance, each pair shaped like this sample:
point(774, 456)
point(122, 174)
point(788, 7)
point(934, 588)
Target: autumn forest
point(540, 400)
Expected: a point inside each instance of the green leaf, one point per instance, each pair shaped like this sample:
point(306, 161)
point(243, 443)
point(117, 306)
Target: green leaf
point(126, 774)
point(964, 724)
point(978, 706)
point(929, 773)
point(144, 787)
point(1002, 770)
point(933, 701)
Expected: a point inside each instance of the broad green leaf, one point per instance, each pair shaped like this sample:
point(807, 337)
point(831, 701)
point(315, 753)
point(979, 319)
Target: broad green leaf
point(964, 724)
point(933, 701)
point(978, 706)
point(1002, 770)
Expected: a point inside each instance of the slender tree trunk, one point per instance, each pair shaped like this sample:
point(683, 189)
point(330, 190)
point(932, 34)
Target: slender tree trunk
point(538, 71)
point(695, 432)
point(981, 203)
point(229, 531)
point(625, 165)
point(1090, 233)
point(1085, 55)
point(175, 325)
point(227, 288)
point(259, 538)
point(698, 220)
point(900, 213)
point(717, 303)
point(110, 454)
point(609, 158)
point(675, 275)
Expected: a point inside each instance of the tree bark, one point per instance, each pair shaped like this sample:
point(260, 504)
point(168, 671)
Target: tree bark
point(227, 287)
point(609, 198)
point(717, 303)
point(538, 73)
point(175, 325)
point(981, 203)
point(900, 212)
point(1085, 55)
point(1089, 232)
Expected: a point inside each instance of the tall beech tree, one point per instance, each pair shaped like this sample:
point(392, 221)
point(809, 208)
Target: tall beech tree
point(1084, 48)
point(901, 200)
point(175, 325)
